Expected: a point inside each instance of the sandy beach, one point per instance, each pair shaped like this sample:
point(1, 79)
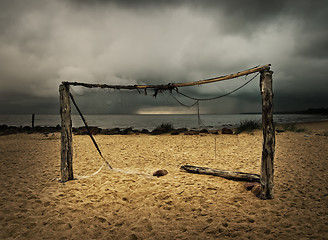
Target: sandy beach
point(129, 203)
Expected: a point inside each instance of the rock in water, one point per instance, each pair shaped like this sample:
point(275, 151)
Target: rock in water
point(160, 172)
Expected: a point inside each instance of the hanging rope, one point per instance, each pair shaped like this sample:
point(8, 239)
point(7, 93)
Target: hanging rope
point(217, 97)
point(197, 100)
point(183, 104)
point(198, 115)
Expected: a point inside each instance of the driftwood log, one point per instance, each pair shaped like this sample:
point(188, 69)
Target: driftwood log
point(237, 176)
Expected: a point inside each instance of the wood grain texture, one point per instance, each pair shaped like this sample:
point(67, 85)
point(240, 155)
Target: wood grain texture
point(267, 171)
point(66, 166)
point(171, 86)
point(237, 176)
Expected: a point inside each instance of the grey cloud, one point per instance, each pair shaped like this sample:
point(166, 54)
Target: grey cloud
point(151, 42)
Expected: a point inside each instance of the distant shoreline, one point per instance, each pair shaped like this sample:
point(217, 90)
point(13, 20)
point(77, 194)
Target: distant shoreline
point(8, 130)
point(310, 111)
point(150, 122)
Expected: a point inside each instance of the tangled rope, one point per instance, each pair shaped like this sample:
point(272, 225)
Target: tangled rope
point(197, 100)
point(217, 97)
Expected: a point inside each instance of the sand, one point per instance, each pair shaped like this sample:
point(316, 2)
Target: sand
point(129, 203)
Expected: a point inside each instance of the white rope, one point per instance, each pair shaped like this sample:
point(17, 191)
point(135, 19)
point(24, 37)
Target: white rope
point(115, 170)
point(131, 172)
point(93, 174)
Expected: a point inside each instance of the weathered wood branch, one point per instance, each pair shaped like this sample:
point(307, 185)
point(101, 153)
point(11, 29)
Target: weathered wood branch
point(226, 77)
point(237, 176)
point(66, 166)
point(268, 135)
point(171, 86)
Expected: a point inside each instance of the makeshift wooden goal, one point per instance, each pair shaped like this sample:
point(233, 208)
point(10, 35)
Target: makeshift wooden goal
point(266, 177)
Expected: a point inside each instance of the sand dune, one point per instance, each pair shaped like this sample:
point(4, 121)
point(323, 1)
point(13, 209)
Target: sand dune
point(130, 203)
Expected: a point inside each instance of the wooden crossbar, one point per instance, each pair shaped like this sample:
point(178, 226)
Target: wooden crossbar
point(173, 85)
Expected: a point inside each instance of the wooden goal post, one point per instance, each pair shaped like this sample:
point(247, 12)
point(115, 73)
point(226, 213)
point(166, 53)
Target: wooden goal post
point(268, 151)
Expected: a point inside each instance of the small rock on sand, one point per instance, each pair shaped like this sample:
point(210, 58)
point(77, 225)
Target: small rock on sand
point(160, 172)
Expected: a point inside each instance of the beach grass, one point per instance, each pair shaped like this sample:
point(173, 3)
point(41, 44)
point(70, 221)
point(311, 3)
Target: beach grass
point(167, 127)
point(248, 126)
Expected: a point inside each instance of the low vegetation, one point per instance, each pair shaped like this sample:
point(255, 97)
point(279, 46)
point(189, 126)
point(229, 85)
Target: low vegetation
point(163, 128)
point(248, 126)
point(166, 126)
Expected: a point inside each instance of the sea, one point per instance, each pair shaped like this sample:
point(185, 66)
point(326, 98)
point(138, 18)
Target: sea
point(151, 121)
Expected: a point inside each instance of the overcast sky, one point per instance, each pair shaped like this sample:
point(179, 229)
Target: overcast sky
point(45, 42)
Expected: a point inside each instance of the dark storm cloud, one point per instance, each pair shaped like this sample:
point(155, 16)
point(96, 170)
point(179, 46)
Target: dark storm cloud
point(151, 42)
